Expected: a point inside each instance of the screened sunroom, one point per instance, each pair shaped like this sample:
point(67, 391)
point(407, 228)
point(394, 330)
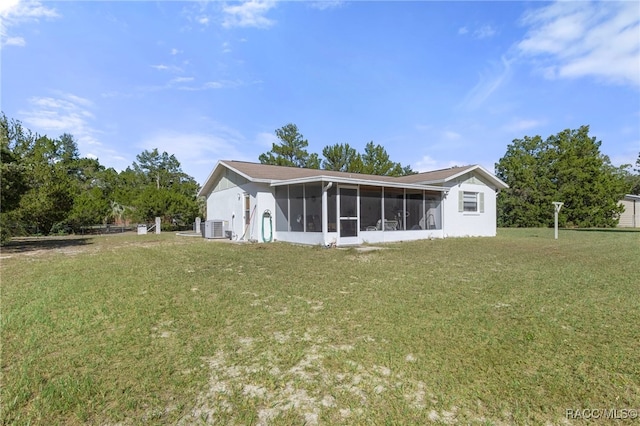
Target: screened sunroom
point(326, 212)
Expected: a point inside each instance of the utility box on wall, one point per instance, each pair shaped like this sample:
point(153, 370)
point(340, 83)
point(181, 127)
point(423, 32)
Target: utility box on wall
point(216, 228)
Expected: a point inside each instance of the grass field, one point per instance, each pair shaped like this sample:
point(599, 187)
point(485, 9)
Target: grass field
point(163, 329)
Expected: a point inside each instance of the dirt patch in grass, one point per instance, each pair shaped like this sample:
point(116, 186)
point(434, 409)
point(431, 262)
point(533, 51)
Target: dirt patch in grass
point(263, 389)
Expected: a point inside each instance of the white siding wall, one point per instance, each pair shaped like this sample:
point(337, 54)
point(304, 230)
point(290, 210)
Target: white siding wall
point(466, 224)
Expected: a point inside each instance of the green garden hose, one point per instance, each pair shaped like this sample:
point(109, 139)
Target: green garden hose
point(265, 215)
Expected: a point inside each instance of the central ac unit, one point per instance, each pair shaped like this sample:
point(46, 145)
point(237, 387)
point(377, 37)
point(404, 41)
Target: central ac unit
point(216, 228)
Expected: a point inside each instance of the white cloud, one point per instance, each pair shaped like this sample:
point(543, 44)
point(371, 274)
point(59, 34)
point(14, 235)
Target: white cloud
point(68, 113)
point(16, 12)
point(220, 84)
point(174, 51)
point(326, 4)
point(450, 135)
point(579, 39)
point(203, 20)
point(214, 85)
point(15, 41)
point(64, 114)
point(427, 164)
point(266, 140)
point(187, 84)
point(198, 152)
point(248, 14)
point(7, 6)
point(182, 80)
point(490, 81)
point(170, 68)
point(484, 31)
point(519, 125)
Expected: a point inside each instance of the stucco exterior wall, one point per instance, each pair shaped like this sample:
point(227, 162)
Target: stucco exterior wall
point(229, 204)
point(469, 224)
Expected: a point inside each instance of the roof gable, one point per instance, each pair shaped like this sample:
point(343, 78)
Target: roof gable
point(447, 175)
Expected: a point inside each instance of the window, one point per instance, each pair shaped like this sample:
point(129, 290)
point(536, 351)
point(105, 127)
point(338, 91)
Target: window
point(471, 202)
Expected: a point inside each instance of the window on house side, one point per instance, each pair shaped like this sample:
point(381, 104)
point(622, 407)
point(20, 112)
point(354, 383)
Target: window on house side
point(471, 202)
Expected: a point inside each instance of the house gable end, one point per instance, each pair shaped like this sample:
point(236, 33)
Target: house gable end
point(476, 176)
point(228, 179)
point(473, 179)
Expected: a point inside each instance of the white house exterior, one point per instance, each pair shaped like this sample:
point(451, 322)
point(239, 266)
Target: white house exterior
point(630, 218)
point(261, 202)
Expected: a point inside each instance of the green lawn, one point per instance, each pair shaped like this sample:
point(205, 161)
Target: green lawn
point(171, 330)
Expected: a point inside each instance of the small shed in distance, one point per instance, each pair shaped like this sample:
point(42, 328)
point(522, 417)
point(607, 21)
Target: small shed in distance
point(630, 218)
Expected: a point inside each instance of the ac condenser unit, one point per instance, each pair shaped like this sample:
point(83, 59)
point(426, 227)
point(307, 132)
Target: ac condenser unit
point(215, 228)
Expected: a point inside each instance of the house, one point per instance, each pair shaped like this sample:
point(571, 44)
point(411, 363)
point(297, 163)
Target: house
point(630, 218)
point(264, 202)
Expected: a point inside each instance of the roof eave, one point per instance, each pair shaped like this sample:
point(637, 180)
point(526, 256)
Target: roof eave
point(487, 174)
point(355, 181)
point(204, 190)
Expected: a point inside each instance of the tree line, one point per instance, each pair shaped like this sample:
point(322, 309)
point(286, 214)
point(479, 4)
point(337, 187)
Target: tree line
point(291, 151)
point(48, 188)
point(566, 167)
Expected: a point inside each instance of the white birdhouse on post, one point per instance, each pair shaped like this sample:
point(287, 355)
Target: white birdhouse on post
point(557, 205)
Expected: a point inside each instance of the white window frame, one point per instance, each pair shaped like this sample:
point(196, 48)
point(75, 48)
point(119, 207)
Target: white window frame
point(464, 198)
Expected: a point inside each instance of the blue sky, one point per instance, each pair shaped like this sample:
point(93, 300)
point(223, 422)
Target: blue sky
point(436, 83)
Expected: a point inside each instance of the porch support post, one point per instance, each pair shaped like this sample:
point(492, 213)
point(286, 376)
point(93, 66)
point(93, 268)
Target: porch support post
point(325, 212)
